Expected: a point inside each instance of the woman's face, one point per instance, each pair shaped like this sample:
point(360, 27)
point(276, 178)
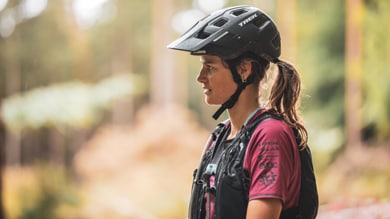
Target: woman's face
point(216, 79)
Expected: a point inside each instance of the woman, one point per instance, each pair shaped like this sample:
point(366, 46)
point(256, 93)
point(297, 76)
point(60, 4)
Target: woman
point(258, 177)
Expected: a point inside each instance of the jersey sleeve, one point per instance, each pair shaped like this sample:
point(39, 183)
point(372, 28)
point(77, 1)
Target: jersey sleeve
point(270, 160)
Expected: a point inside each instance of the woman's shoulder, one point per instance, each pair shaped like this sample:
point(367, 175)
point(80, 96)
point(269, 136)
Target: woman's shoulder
point(270, 125)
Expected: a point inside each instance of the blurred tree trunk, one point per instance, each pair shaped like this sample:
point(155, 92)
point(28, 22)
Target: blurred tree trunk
point(12, 86)
point(162, 75)
point(79, 43)
point(2, 165)
point(123, 110)
point(286, 21)
point(353, 74)
point(53, 146)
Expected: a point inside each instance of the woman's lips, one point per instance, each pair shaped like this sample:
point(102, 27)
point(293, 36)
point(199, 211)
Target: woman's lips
point(206, 90)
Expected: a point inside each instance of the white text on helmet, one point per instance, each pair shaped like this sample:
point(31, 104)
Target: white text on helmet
point(249, 19)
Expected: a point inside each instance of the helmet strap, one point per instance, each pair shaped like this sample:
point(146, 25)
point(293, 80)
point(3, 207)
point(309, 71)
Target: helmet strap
point(233, 99)
point(230, 102)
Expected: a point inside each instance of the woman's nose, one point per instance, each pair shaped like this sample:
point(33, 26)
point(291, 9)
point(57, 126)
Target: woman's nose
point(201, 76)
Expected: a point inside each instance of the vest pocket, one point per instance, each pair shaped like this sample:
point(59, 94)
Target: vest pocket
point(231, 202)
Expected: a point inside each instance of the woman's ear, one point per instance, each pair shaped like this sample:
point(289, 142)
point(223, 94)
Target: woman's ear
point(245, 69)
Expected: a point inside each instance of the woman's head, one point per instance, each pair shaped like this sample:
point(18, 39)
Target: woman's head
point(232, 34)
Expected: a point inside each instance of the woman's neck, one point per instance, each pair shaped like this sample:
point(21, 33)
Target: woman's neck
point(238, 115)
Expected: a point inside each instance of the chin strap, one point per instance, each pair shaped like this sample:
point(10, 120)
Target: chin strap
point(231, 101)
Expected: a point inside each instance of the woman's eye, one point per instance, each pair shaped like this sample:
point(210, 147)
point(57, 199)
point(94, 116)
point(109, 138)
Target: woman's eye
point(210, 68)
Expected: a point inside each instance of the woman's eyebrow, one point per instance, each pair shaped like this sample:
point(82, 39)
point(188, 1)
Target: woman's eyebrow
point(207, 61)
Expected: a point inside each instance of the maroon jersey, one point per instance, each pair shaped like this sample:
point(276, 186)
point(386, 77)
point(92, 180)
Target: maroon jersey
point(272, 160)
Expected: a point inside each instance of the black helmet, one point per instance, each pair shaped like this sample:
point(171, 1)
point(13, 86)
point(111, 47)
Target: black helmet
point(230, 32)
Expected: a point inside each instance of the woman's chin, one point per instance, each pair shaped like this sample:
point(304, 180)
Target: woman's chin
point(212, 102)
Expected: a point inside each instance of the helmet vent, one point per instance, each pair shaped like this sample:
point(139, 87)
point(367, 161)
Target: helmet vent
point(259, 21)
point(220, 22)
point(238, 12)
point(203, 35)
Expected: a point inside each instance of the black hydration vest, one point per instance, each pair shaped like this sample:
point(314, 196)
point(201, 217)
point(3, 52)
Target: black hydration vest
point(232, 181)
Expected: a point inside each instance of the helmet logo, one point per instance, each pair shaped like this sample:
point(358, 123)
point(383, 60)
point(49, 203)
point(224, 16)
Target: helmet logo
point(247, 20)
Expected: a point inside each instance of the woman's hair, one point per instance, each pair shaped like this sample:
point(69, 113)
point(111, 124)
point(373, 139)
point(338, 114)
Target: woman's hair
point(284, 97)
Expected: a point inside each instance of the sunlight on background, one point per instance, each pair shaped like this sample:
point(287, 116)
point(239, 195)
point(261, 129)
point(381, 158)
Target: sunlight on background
point(210, 6)
point(25, 10)
point(183, 20)
point(7, 23)
point(88, 13)
point(32, 8)
point(3, 3)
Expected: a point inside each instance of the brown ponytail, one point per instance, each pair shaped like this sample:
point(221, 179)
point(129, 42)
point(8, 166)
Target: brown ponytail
point(284, 99)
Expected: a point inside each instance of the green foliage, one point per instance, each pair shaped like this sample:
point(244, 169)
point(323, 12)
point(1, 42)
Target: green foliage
point(320, 26)
point(321, 58)
point(43, 194)
point(38, 59)
point(376, 77)
point(73, 104)
point(125, 41)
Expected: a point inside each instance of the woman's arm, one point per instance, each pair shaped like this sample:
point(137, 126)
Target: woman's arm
point(264, 209)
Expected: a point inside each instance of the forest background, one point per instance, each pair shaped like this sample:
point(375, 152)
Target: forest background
point(100, 120)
